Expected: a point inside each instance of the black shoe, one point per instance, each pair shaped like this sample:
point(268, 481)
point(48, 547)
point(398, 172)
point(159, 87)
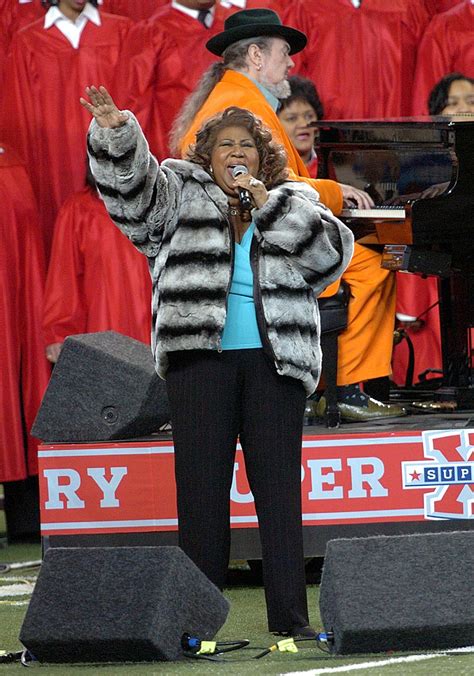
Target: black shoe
point(298, 632)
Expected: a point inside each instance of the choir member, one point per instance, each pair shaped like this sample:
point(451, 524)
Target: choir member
point(49, 65)
point(361, 54)
point(97, 281)
point(447, 46)
point(25, 371)
point(165, 57)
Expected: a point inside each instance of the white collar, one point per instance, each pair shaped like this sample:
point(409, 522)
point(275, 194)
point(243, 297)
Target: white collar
point(236, 3)
point(53, 15)
point(191, 12)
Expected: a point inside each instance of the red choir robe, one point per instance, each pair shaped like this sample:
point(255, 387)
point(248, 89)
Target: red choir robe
point(137, 10)
point(97, 280)
point(5, 33)
point(18, 14)
point(414, 296)
point(25, 371)
point(27, 12)
point(14, 16)
point(438, 6)
point(228, 8)
point(362, 60)
point(447, 46)
point(42, 117)
point(165, 58)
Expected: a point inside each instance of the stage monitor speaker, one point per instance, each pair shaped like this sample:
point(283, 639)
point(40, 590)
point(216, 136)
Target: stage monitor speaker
point(399, 592)
point(106, 604)
point(104, 386)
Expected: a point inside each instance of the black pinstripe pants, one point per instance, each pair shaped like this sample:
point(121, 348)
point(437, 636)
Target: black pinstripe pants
point(215, 398)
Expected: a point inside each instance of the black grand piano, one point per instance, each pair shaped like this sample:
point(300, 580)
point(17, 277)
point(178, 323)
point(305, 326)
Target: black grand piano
point(420, 174)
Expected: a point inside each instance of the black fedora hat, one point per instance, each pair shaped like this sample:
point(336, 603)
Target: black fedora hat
point(252, 23)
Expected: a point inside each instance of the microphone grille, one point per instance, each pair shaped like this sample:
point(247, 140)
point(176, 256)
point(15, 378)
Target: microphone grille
point(239, 169)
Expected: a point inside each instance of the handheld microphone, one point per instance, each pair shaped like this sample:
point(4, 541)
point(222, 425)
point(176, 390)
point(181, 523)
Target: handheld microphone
point(244, 195)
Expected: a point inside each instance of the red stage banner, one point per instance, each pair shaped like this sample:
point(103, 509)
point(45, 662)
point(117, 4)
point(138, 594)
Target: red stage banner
point(129, 486)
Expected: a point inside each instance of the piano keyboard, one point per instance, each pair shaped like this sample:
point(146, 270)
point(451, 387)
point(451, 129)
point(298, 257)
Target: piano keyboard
point(385, 213)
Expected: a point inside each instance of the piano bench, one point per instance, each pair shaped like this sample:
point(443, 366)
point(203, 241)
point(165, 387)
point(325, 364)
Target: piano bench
point(333, 311)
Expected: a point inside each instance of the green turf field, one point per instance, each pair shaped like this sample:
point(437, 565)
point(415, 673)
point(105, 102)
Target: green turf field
point(246, 620)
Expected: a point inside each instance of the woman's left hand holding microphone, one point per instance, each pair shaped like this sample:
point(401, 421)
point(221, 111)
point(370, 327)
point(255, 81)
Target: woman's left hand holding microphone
point(256, 188)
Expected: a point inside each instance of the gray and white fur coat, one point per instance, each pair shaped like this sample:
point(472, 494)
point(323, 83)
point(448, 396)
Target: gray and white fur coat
point(177, 216)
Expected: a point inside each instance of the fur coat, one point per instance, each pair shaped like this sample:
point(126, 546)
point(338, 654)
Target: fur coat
point(177, 216)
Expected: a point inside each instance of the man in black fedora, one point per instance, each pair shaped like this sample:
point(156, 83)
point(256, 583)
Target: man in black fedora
point(256, 51)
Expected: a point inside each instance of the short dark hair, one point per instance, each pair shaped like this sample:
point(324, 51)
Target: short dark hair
point(272, 156)
point(440, 93)
point(303, 89)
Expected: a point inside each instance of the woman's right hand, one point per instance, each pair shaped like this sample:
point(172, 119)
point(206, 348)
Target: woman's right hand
point(103, 108)
point(53, 351)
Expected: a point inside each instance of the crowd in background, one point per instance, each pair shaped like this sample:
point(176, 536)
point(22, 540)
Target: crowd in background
point(368, 58)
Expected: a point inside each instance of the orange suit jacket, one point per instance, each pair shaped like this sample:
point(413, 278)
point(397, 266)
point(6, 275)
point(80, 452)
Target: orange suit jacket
point(235, 89)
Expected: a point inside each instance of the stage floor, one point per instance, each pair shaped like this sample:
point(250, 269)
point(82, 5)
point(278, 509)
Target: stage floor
point(412, 421)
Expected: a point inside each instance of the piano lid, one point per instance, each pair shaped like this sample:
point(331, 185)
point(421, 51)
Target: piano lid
point(420, 121)
point(395, 160)
point(424, 164)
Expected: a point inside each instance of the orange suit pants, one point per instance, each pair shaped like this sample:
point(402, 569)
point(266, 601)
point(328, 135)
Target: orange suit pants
point(365, 347)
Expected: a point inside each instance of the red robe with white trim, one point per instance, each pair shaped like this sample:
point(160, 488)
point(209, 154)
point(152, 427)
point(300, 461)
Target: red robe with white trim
point(165, 58)
point(41, 115)
point(97, 280)
point(362, 60)
point(25, 371)
point(447, 46)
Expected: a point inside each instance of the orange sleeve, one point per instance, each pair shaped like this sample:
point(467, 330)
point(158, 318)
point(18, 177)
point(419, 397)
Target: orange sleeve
point(330, 194)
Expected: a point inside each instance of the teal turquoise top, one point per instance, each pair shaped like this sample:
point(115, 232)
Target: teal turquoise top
point(241, 329)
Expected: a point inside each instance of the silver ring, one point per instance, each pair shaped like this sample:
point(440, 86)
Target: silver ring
point(253, 181)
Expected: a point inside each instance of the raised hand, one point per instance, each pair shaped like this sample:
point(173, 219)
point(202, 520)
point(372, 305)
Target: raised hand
point(103, 108)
